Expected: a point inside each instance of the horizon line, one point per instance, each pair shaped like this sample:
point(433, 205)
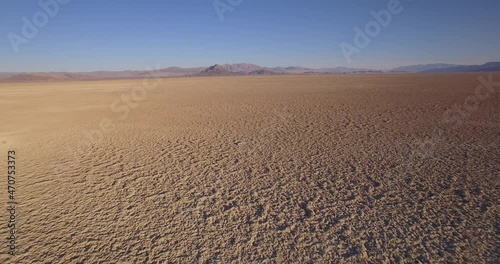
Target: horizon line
point(270, 67)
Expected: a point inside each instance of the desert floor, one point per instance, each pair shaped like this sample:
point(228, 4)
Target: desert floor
point(273, 169)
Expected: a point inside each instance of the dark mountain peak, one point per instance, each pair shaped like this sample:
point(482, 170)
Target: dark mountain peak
point(216, 70)
point(492, 64)
point(487, 67)
point(263, 72)
point(423, 67)
point(234, 69)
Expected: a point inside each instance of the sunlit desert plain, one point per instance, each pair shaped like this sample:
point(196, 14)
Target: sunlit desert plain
point(255, 169)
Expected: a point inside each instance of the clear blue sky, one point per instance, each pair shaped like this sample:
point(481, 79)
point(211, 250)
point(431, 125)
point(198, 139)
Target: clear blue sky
point(89, 35)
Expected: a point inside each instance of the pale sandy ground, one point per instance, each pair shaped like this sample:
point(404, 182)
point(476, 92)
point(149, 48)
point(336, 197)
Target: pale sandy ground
point(279, 169)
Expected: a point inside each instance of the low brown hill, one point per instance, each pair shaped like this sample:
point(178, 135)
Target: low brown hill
point(29, 77)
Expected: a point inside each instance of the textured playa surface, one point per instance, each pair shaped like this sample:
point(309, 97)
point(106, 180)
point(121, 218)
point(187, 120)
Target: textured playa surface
point(292, 169)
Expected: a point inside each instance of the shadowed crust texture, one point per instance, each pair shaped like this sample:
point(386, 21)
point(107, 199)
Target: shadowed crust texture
point(292, 169)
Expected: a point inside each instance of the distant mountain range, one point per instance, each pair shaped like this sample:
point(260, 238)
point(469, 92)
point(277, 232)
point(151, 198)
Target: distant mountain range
point(252, 69)
point(98, 75)
point(234, 69)
point(238, 69)
point(441, 67)
point(423, 67)
point(487, 67)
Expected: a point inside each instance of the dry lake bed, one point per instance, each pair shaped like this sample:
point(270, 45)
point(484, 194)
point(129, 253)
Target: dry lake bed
point(254, 169)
